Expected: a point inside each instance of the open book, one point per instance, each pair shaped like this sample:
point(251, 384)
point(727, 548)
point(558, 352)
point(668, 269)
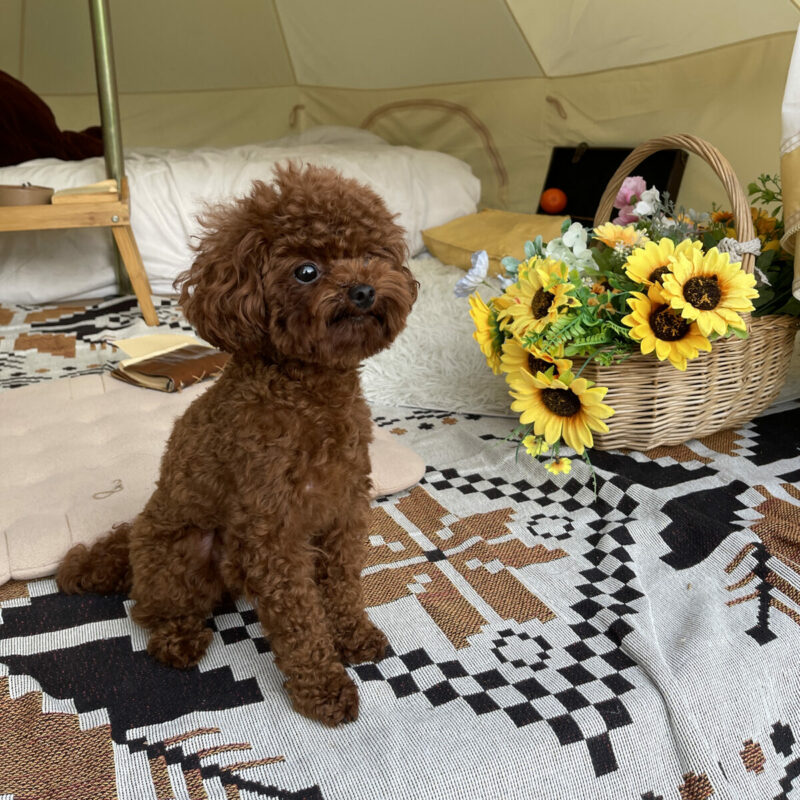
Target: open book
point(171, 368)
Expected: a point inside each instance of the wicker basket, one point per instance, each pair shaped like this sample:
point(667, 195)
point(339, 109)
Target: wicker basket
point(657, 404)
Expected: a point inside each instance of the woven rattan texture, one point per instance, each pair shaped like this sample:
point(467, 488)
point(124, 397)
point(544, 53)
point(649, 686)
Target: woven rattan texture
point(657, 404)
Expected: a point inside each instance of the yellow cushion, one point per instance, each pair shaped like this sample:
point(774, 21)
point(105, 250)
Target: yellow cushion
point(499, 233)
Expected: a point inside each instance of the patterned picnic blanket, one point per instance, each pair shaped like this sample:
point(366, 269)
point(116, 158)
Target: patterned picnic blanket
point(546, 643)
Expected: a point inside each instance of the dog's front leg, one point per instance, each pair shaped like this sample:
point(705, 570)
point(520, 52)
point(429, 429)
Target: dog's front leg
point(280, 582)
point(339, 578)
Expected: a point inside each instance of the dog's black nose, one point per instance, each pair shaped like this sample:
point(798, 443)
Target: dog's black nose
point(362, 295)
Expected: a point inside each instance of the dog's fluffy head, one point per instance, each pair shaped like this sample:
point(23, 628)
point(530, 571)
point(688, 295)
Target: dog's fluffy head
point(309, 268)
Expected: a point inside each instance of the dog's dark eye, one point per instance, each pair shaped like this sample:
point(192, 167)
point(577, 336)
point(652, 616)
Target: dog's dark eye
point(307, 273)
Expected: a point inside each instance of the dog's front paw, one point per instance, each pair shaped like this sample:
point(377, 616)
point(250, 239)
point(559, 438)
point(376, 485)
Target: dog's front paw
point(180, 647)
point(365, 643)
point(330, 698)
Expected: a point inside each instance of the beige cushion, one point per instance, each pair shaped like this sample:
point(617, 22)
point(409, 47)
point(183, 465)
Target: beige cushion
point(499, 233)
point(81, 454)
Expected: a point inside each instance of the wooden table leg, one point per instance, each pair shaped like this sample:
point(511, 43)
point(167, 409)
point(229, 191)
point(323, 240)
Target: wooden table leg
point(123, 235)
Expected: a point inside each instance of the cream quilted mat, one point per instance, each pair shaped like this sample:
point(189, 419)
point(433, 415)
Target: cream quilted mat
point(81, 454)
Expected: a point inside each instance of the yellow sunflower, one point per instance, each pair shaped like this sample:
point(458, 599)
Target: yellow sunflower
point(723, 217)
point(650, 263)
point(559, 465)
point(502, 302)
point(538, 262)
point(538, 298)
point(487, 331)
point(535, 445)
point(613, 235)
point(708, 289)
point(565, 408)
point(658, 327)
point(764, 224)
point(515, 357)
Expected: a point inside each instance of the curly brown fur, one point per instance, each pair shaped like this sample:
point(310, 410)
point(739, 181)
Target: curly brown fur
point(264, 484)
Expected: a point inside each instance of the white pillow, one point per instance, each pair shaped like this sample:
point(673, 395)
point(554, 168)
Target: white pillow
point(169, 188)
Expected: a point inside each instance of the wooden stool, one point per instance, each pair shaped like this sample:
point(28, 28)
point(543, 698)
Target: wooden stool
point(114, 214)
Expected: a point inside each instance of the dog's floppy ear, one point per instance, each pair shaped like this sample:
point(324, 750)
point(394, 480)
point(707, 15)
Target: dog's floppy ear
point(222, 294)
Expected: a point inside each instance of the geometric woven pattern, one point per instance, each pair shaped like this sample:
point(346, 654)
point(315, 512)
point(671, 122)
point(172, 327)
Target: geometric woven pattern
point(544, 642)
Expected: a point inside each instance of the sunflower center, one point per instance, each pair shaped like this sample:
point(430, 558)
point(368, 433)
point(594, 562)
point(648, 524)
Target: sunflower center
point(657, 274)
point(562, 402)
point(703, 292)
point(538, 364)
point(541, 302)
point(667, 325)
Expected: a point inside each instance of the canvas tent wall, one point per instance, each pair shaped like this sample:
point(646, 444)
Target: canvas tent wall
point(494, 82)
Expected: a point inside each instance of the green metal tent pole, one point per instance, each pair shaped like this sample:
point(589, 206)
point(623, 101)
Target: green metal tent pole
point(109, 109)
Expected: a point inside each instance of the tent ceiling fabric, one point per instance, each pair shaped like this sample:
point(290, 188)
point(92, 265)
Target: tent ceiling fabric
point(195, 45)
point(364, 44)
point(572, 37)
point(173, 46)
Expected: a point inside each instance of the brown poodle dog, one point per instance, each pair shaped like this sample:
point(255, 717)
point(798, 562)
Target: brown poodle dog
point(264, 484)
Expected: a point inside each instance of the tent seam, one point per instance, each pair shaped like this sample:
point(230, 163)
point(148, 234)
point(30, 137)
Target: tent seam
point(525, 38)
point(285, 43)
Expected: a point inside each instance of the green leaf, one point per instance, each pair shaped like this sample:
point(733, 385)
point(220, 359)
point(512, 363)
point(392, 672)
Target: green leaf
point(622, 282)
point(765, 259)
point(765, 295)
point(622, 330)
point(791, 307)
point(584, 345)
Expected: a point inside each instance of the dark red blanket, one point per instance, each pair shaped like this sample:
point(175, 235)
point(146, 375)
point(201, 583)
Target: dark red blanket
point(28, 129)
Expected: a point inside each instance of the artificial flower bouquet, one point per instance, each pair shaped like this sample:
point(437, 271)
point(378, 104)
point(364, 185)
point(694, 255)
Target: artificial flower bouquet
point(656, 281)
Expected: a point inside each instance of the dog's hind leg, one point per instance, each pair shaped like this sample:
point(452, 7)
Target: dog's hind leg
point(176, 585)
point(103, 568)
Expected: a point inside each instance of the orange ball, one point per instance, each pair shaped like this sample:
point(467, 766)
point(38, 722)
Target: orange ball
point(553, 201)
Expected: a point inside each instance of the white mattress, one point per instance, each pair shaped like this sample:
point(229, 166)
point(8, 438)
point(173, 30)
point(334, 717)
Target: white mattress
point(169, 188)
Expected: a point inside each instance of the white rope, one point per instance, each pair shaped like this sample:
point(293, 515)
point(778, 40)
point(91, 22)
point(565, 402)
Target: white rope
point(737, 249)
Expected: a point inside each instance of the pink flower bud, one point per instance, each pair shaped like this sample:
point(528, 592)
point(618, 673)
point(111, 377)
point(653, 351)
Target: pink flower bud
point(632, 186)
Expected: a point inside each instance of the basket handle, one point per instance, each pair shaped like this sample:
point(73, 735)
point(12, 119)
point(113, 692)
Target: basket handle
point(709, 154)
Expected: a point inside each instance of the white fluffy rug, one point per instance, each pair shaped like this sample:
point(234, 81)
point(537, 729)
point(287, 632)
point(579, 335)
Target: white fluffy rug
point(435, 363)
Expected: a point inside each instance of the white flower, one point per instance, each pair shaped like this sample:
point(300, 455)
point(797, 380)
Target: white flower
point(558, 250)
point(475, 276)
point(575, 238)
point(648, 202)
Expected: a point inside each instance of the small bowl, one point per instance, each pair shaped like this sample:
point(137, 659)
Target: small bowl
point(25, 195)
